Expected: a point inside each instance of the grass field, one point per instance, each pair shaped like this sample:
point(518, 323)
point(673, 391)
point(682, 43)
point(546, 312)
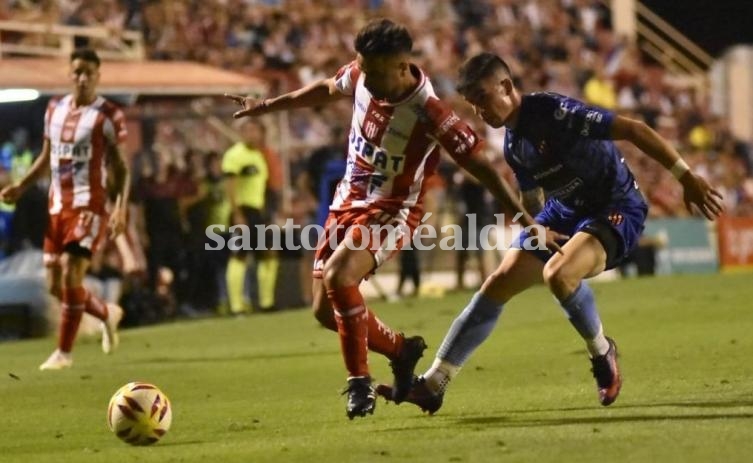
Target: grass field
point(266, 388)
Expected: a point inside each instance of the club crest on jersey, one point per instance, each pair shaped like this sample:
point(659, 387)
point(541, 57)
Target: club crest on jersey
point(542, 147)
point(370, 129)
point(616, 218)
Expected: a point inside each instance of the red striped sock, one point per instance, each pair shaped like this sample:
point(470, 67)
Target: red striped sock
point(73, 308)
point(353, 327)
point(383, 339)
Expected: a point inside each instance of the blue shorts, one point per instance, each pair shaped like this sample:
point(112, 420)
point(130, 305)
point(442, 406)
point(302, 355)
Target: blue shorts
point(618, 227)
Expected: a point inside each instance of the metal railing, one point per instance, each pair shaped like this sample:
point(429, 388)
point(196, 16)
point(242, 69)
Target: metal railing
point(59, 40)
point(668, 46)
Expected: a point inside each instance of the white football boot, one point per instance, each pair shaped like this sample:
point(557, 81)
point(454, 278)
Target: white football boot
point(110, 338)
point(57, 361)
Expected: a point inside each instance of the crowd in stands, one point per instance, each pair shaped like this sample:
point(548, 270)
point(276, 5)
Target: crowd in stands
point(564, 46)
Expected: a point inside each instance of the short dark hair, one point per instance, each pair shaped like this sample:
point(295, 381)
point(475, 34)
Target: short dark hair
point(478, 68)
point(86, 54)
point(383, 37)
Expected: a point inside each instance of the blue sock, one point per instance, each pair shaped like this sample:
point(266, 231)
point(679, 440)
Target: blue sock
point(581, 310)
point(474, 324)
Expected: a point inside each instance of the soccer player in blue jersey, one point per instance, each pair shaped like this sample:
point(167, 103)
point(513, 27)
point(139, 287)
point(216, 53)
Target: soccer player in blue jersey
point(562, 150)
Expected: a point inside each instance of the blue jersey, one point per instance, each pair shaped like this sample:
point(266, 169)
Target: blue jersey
point(563, 146)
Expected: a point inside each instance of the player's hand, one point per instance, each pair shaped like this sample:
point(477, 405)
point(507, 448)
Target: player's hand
point(697, 191)
point(550, 237)
point(250, 106)
point(10, 194)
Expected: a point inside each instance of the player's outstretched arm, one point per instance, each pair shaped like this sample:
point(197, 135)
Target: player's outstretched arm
point(696, 191)
point(487, 176)
point(41, 165)
point(316, 94)
point(122, 184)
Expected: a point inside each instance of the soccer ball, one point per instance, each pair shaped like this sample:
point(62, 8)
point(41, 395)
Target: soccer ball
point(139, 413)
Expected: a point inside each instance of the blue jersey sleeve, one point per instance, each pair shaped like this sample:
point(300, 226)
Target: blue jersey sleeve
point(561, 116)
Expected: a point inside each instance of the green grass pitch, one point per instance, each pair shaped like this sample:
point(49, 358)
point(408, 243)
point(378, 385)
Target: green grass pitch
point(266, 388)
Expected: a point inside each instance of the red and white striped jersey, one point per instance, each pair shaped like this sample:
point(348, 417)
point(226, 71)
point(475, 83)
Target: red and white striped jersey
point(393, 147)
point(79, 138)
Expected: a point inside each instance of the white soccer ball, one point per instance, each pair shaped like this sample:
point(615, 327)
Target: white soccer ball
point(139, 413)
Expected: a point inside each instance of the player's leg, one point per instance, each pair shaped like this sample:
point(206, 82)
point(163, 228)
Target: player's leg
point(362, 250)
point(81, 242)
point(59, 358)
point(381, 339)
point(518, 271)
point(54, 272)
point(582, 256)
point(585, 255)
point(76, 262)
point(73, 303)
point(342, 274)
point(69, 320)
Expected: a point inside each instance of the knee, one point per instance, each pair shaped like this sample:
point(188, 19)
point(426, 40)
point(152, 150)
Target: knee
point(559, 279)
point(337, 276)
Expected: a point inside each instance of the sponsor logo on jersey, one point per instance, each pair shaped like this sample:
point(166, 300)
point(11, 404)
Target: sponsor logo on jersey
point(77, 152)
point(591, 117)
point(568, 189)
point(373, 155)
point(447, 124)
point(546, 173)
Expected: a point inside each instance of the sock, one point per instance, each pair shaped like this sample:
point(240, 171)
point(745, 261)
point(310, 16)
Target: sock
point(581, 311)
point(474, 324)
point(93, 305)
point(382, 339)
point(266, 275)
point(236, 278)
point(353, 327)
point(438, 376)
point(73, 308)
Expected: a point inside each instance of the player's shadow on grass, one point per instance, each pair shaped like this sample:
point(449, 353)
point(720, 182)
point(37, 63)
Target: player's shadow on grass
point(507, 422)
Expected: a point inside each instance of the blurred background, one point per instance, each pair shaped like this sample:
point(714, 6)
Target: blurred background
point(168, 62)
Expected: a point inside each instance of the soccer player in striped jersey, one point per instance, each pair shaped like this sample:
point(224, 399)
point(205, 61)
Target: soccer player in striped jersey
point(560, 149)
point(82, 134)
point(397, 128)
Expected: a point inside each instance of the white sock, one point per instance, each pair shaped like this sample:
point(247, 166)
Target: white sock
point(598, 345)
point(439, 375)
